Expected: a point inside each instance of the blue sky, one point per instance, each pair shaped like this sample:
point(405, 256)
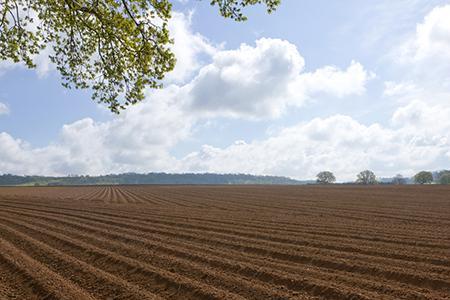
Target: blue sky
point(317, 85)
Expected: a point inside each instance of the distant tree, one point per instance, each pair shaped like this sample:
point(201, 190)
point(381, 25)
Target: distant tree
point(444, 177)
point(423, 177)
point(398, 179)
point(325, 177)
point(366, 177)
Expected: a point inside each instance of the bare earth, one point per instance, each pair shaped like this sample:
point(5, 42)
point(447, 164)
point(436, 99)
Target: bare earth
point(225, 242)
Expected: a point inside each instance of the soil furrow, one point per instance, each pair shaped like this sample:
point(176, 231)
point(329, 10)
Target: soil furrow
point(225, 242)
point(121, 237)
point(38, 278)
point(163, 282)
point(246, 270)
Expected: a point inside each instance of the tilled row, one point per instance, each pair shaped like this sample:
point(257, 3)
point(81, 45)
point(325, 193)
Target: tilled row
point(187, 250)
point(120, 237)
point(305, 224)
point(220, 242)
point(251, 289)
point(315, 240)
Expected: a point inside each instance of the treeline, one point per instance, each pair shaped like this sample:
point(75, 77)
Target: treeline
point(325, 177)
point(442, 177)
point(150, 178)
point(367, 177)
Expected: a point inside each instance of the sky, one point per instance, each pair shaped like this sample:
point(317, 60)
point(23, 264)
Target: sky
point(317, 85)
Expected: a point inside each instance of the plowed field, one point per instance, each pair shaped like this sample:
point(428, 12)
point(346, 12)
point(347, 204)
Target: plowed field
point(225, 242)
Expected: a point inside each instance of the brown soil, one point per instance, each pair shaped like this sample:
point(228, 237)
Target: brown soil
point(225, 242)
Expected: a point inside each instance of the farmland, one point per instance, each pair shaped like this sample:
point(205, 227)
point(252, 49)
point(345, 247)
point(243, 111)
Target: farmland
point(225, 242)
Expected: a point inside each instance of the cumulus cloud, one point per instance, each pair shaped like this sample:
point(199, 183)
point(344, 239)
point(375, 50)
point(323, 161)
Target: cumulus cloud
point(262, 81)
point(333, 81)
point(138, 140)
point(433, 35)
point(421, 117)
point(4, 109)
point(337, 143)
point(424, 61)
point(41, 60)
point(189, 47)
point(417, 136)
point(259, 81)
point(252, 82)
point(400, 89)
point(427, 52)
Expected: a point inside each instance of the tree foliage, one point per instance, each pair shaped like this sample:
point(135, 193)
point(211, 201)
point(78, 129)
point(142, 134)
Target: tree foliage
point(366, 177)
point(398, 179)
point(444, 177)
point(115, 47)
point(233, 8)
point(325, 177)
point(423, 177)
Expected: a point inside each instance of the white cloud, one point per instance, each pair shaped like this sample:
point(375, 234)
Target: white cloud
point(333, 81)
point(252, 82)
point(262, 81)
point(433, 35)
point(141, 138)
point(427, 52)
point(338, 143)
point(421, 117)
point(11, 153)
point(418, 136)
point(42, 61)
point(423, 86)
point(4, 109)
point(420, 139)
point(189, 47)
point(399, 89)
point(138, 140)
